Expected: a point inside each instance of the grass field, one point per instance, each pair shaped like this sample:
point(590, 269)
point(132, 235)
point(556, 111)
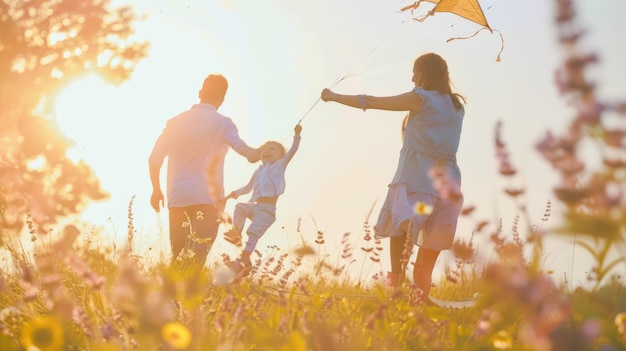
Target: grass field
point(69, 295)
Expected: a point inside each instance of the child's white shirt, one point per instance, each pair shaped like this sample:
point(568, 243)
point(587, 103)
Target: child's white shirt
point(269, 179)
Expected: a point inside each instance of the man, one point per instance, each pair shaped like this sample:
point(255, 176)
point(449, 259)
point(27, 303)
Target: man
point(195, 143)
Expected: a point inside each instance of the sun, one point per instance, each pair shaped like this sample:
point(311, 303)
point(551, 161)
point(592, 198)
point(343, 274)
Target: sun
point(102, 121)
point(80, 106)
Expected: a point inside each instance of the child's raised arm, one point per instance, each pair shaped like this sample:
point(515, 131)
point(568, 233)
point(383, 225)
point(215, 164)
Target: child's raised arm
point(294, 146)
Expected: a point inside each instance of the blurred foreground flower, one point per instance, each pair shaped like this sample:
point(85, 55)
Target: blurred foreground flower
point(304, 250)
point(620, 322)
point(224, 276)
point(502, 340)
point(444, 185)
point(42, 333)
point(176, 335)
point(422, 208)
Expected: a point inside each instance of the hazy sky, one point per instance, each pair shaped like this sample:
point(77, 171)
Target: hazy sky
point(279, 54)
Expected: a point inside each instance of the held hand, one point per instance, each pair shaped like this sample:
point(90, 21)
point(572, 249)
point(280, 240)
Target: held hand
point(297, 129)
point(255, 157)
point(157, 200)
point(232, 195)
point(326, 94)
point(221, 203)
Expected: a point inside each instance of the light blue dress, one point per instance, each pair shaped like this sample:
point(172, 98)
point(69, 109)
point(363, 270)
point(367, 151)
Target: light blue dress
point(431, 138)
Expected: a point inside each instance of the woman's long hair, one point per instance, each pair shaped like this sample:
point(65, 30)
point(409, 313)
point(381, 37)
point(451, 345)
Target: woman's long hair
point(434, 71)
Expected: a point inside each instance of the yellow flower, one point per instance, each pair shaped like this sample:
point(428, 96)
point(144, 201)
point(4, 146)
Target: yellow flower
point(43, 333)
point(109, 347)
point(423, 209)
point(620, 321)
point(176, 335)
point(502, 340)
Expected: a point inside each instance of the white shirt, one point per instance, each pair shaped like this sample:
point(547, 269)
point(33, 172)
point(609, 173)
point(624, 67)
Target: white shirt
point(195, 143)
point(269, 179)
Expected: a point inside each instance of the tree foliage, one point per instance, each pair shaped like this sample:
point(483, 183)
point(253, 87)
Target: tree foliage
point(45, 45)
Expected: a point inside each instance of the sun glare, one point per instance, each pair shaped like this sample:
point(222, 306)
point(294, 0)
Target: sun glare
point(95, 115)
point(78, 105)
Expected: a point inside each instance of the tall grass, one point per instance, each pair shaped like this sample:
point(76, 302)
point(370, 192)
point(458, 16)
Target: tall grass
point(80, 297)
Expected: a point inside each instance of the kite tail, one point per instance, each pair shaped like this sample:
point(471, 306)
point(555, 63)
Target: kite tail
point(498, 58)
point(501, 44)
point(412, 7)
point(423, 18)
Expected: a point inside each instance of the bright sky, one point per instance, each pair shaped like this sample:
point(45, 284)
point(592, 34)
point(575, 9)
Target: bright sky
point(278, 55)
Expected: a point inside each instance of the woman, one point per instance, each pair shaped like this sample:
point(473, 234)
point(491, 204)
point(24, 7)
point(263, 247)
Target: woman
point(424, 200)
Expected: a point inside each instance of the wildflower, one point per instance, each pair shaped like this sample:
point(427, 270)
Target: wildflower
point(620, 322)
point(590, 113)
point(304, 250)
point(569, 165)
point(614, 137)
point(506, 169)
point(467, 210)
point(481, 225)
point(176, 335)
point(31, 294)
point(482, 327)
point(108, 331)
point(422, 208)
point(444, 185)
point(347, 251)
point(463, 250)
point(502, 340)
point(592, 329)
point(8, 312)
point(320, 237)
point(613, 163)
point(535, 337)
point(514, 192)
point(561, 81)
point(42, 333)
point(546, 214)
point(571, 195)
point(376, 315)
point(486, 320)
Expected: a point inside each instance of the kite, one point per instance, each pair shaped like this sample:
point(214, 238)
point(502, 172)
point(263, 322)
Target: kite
point(468, 9)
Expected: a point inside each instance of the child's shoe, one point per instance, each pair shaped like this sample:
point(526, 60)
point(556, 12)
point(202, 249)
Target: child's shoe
point(241, 266)
point(233, 236)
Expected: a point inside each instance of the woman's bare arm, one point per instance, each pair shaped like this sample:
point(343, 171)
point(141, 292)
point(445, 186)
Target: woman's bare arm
point(404, 102)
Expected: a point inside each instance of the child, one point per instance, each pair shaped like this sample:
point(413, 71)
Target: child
point(266, 184)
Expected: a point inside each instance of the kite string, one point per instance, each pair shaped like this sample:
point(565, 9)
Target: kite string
point(352, 73)
point(310, 108)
